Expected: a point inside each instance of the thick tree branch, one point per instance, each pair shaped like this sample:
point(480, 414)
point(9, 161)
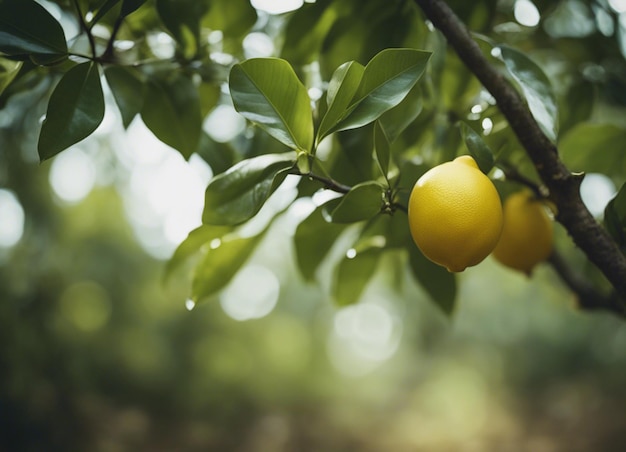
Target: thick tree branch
point(563, 186)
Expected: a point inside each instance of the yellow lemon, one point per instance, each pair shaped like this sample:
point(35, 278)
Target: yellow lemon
point(527, 236)
point(455, 214)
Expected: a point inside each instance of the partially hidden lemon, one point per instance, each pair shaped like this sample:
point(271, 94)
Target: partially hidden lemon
point(527, 236)
point(455, 214)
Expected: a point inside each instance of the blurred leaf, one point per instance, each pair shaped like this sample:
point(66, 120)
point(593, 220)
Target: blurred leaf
point(436, 280)
point(478, 148)
point(595, 148)
point(576, 105)
point(127, 7)
point(171, 110)
point(317, 18)
point(362, 202)
point(233, 17)
point(396, 120)
point(267, 92)
point(536, 88)
point(386, 80)
point(615, 218)
point(193, 244)
point(75, 110)
point(182, 19)
point(313, 240)
point(219, 266)
point(27, 28)
point(209, 97)
point(8, 71)
point(239, 193)
point(352, 276)
point(219, 156)
point(127, 89)
point(341, 89)
point(381, 148)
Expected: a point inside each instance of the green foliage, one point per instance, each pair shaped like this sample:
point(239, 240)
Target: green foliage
point(359, 98)
point(75, 110)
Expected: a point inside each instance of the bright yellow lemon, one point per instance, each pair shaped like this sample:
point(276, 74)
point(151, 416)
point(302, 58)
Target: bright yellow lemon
point(455, 214)
point(527, 236)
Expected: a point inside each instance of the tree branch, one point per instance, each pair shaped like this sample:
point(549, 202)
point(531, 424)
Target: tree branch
point(563, 185)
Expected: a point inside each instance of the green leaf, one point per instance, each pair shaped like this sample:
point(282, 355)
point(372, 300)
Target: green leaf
point(313, 240)
point(436, 281)
point(238, 194)
point(128, 91)
point(362, 202)
point(595, 148)
point(352, 275)
point(130, 6)
point(171, 110)
point(396, 120)
point(8, 71)
point(386, 81)
point(267, 92)
point(75, 110)
point(182, 19)
point(381, 148)
point(317, 18)
point(219, 266)
point(536, 88)
point(478, 148)
point(193, 244)
point(341, 89)
point(27, 28)
point(219, 156)
point(233, 17)
point(615, 218)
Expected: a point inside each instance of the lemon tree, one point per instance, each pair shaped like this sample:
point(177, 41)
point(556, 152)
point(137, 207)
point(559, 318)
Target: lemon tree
point(361, 99)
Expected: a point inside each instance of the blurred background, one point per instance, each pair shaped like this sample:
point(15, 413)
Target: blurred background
point(99, 353)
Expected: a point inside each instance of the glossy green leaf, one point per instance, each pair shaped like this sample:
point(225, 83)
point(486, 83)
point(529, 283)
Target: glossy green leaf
point(386, 81)
point(615, 218)
point(436, 281)
point(352, 275)
point(8, 71)
point(396, 120)
point(171, 110)
point(595, 148)
point(313, 240)
point(362, 202)
point(238, 194)
point(341, 89)
point(127, 89)
point(27, 28)
point(536, 88)
point(267, 92)
point(193, 244)
point(75, 110)
point(381, 148)
point(478, 148)
point(219, 266)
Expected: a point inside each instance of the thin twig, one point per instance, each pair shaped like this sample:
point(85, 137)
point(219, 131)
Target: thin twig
point(587, 296)
point(86, 29)
point(563, 186)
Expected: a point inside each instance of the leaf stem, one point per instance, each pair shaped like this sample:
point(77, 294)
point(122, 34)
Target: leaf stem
point(329, 183)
